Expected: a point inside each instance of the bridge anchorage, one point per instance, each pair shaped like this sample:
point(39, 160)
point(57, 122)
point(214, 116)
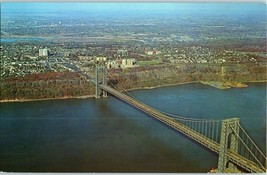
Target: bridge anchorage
point(227, 138)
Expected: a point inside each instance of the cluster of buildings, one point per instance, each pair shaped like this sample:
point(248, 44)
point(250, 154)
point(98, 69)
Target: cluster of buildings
point(122, 60)
point(198, 54)
point(20, 59)
point(152, 52)
point(121, 63)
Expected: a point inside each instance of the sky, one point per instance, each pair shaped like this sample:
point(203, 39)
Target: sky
point(8, 7)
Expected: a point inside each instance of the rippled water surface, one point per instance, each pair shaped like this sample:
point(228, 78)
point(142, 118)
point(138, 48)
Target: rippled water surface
point(107, 135)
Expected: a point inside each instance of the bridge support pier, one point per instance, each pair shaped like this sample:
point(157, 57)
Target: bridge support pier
point(98, 91)
point(229, 140)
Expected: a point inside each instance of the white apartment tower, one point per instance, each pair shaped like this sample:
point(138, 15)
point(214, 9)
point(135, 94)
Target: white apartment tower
point(43, 52)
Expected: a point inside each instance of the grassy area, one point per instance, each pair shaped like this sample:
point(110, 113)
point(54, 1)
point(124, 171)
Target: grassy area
point(151, 62)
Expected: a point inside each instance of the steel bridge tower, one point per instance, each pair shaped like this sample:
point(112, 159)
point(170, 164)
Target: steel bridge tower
point(100, 70)
point(229, 140)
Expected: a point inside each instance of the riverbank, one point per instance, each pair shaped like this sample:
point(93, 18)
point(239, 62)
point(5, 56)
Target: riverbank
point(214, 84)
point(228, 85)
point(259, 81)
point(45, 99)
point(90, 96)
point(159, 86)
point(224, 85)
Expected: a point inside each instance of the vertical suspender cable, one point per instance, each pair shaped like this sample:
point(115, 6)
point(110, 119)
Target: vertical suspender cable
point(212, 136)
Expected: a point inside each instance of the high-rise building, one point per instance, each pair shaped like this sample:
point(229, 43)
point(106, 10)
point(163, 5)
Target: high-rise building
point(43, 52)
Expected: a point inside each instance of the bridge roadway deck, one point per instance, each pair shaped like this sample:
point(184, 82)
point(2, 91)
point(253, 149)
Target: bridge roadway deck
point(212, 145)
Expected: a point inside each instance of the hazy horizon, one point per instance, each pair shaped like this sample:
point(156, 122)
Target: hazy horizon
point(214, 8)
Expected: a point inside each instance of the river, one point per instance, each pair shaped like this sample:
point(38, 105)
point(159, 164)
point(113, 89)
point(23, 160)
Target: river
point(107, 135)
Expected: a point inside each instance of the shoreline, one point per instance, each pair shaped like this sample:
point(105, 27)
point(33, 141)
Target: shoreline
point(256, 81)
point(159, 86)
point(229, 85)
point(45, 99)
point(132, 89)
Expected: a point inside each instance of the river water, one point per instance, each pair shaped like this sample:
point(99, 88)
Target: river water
point(107, 135)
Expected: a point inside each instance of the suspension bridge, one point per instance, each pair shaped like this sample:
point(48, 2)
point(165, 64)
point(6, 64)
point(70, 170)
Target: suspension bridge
point(225, 137)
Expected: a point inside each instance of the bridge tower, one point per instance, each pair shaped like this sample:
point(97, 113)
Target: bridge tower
point(98, 71)
point(229, 140)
